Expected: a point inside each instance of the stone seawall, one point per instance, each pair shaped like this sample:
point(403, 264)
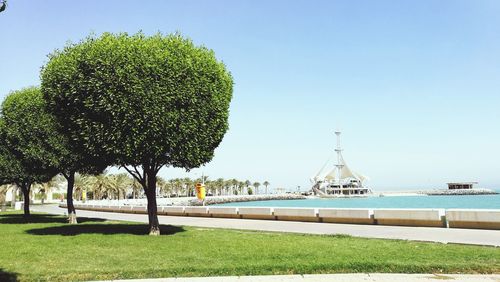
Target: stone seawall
point(461, 192)
point(234, 199)
point(437, 192)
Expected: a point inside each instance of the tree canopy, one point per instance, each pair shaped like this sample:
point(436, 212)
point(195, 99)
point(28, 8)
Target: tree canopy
point(140, 101)
point(30, 132)
point(156, 100)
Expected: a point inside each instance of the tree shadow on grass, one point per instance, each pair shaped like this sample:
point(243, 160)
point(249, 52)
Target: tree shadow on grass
point(105, 229)
point(41, 218)
point(7, 276)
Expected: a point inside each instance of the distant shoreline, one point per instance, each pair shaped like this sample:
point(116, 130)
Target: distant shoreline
point(437, 192)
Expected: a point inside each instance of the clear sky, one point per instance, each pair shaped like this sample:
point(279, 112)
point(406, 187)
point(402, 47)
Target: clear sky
point(413, 85)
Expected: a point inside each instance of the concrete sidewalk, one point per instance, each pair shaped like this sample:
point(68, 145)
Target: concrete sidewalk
point(370, 277)
point(430, 234)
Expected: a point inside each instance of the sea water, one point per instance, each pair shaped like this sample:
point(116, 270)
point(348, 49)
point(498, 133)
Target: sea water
point(446, 202)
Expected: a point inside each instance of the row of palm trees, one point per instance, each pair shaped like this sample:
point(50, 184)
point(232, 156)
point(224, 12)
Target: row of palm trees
point(217, 187)
point(121, 186)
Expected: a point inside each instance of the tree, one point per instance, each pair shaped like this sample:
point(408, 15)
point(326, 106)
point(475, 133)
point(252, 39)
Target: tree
point(234, 185)
point(45, 187)
point(3, 5)
point(12, 171)
point(256, 185)
point(241, 185)
point(36, 139)
point(101, 186)
point(266, 183)
point(3, 195)
point(119, 183)
point(219, 184)
point(161, 185)
point(20, 154)
point(140, 102)
point(188, 185)
point(81, 185)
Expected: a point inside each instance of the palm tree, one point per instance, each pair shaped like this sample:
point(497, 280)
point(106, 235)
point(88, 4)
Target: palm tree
point(256, 185)
point(227, 186)
point(14, 194)
point(178, 187)
point(136, 189)
point(160, 185)
point(241, 186)
point(219, 184)
point(81, 185)
point(266, 183)
point(119, 183)
point(234, 185)
point(45, 188)
point(100, 185)
point(3, 195)
point(188, 186)
point(171, 189)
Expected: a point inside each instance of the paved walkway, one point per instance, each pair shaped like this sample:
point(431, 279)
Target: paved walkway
point(431, 234)
point(369, 277)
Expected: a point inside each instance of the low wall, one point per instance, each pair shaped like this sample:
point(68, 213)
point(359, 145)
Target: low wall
point(480, 219)
point(410, 217)
point(357, 216)
point(453, 218)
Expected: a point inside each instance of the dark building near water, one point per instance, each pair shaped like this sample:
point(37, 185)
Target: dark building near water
point(461, 185)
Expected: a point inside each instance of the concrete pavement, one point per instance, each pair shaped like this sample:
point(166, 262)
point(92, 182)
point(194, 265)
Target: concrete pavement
point(430, 234)
point(368, 277)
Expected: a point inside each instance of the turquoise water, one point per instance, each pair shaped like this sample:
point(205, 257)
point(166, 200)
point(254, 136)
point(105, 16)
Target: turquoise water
point(466, 202)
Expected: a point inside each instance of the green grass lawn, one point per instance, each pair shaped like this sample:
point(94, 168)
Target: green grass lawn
point(46, 248)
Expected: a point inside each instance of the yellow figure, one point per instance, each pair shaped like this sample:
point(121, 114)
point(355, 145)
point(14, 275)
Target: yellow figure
point(200, 191)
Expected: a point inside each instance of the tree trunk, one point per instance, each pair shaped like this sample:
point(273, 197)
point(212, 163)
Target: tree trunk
point(150, 189)
point(69, 198)
point(25, 187)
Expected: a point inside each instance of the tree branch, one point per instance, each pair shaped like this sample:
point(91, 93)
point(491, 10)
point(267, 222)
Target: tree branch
point(143, 174)
point(65, 175)
point(157, 167)
point(135, 174)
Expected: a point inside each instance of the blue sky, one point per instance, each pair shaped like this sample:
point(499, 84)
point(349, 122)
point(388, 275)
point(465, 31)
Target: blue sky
point(413, 85)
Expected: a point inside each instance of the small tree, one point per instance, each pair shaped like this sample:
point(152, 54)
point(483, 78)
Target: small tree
point(140, 102)
point(19, 155)
point(256, 185)
point(12, 171)
point(3, 196)
point(46, 187)
point(35, 136)
point(266, 183)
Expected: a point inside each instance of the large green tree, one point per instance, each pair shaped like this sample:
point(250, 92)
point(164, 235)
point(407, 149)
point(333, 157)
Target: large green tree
point(35, 138)
point(141, 102)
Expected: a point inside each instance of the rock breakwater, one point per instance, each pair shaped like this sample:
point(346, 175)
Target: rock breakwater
point(246, 198)
point(478, 191)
